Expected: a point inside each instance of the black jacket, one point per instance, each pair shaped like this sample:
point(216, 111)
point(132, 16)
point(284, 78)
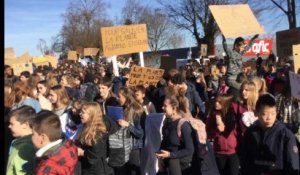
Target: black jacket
point(94, 159)
point(273, 151)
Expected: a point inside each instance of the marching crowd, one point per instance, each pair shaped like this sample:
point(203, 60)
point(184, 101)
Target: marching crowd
point(229, 120)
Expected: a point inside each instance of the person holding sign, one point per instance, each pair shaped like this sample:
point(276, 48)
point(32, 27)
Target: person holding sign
point(133, 123)
point(235, 60)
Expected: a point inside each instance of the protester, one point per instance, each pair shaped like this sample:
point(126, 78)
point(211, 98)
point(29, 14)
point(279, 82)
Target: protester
point(56, 154)
point(21, 159)
point(140, 96)
point(221, 128)
point(92, 144)
point(235, 59)
point(172, 150)
point(42, 94)
point(134, 122)
point(269, 147)
point(21, 95)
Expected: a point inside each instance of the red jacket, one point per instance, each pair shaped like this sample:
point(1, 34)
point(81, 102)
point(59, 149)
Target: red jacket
point(58, 160)
point(224, 142)
point(238, 110)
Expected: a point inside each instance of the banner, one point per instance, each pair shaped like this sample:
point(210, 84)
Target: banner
point(9, 53)
point(144, 76)
point(122, 40)
point(90, 51)
point(236, 20)
point(295, 84)
point(296, 55)
point(72, 55)
point(261, 46)
point(20, 67)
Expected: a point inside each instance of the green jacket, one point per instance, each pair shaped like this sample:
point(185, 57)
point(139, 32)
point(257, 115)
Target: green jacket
point(21, 158)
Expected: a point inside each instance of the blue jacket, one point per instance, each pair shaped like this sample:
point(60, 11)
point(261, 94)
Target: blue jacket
point(273, 151)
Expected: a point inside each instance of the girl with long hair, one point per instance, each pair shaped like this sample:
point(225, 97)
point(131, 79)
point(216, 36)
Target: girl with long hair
point(221, 128)
point(21, 94)
point(61, 106)
point(134, 122)
point(92, 143)
point(176, 151)
point(244, 109)
point(43, 89)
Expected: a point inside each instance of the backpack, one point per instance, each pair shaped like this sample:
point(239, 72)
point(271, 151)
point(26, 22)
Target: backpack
point(203, 160)
point(88, 91)
point(120, 145)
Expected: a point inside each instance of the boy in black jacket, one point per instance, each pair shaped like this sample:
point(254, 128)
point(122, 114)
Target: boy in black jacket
point(269, 147)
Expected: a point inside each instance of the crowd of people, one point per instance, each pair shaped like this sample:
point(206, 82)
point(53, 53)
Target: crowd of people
point(226, 121)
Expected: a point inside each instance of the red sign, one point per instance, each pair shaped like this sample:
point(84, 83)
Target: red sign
point(261, 46)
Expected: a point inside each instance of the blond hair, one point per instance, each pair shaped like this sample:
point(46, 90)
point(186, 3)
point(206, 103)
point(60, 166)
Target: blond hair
point(260, 85)
point(251, 101)
point(95, 127)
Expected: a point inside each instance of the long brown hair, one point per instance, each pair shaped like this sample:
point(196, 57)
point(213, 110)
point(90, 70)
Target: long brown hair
point(132, 108)
point(225, 101)
point(19, 91)
point(62, 95)
point(95, 127)
point(179, 93)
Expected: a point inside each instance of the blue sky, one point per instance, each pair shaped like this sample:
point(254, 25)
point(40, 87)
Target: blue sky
point(26, 21)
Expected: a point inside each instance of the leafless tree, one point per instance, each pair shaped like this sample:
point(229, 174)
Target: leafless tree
point(82, 22)
point(131, 12)
point(161, 32)
point(195, 17)
point(42, 46)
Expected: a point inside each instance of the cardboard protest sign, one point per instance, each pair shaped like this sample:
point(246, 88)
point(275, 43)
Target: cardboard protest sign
point(122, 40)
point(90, 51)
point(203, 50)
point(236, 20)
point(40, 61)
point(144, 75)
point(53, 60)
point(20, 67)
point(296, 55)
point(25, 57)
point(9, 53)
point(295, 84)
point(72, 55)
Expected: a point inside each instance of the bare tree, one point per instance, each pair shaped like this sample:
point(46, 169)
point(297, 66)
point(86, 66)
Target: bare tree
point(82, 22)
point(195, 17)
point(290, 12)
point(131, 12)
point(42, 46)
point(161, 32)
